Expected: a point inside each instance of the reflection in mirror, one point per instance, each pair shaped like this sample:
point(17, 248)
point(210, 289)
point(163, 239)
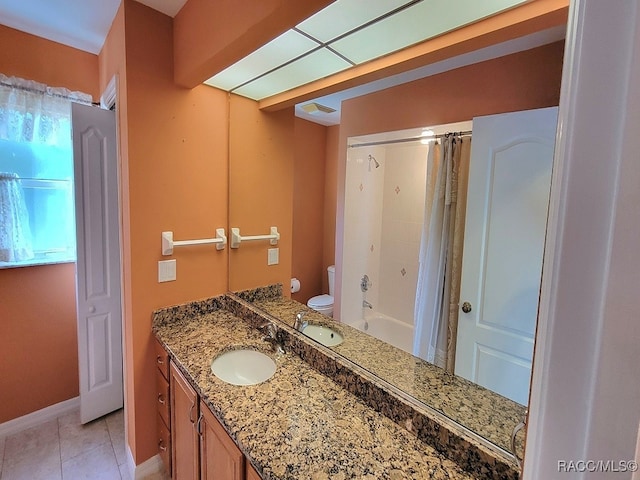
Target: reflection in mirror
point(477, 408)
point(404, 268)
point(396, 287)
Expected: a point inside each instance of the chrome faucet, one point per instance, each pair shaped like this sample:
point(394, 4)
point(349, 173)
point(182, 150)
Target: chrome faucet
point(271, 336)
point(366, 304)
point(300, 324)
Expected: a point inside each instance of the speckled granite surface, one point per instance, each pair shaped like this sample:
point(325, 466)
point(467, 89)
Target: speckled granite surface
point(467, 449)
point(485, 412)
point(299, 424)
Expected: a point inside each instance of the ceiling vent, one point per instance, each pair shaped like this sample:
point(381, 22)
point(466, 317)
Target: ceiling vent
point(316, 109)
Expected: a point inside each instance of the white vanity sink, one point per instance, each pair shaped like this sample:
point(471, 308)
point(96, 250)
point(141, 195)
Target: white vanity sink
point(243, 367)
point(323, 335)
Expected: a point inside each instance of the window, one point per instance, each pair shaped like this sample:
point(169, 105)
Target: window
point(36, 173)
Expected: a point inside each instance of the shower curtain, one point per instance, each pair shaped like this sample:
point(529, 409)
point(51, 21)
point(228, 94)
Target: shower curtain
point(437, 293)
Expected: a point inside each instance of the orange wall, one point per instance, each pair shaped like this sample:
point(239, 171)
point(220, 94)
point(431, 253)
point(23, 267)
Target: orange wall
point(240, 28)
point(261, 179)
point(38, 336)
point(173, 145)
point(34, 58)
point(308, 207)
point(330, 202)
point(521, 81)
point(524, 80)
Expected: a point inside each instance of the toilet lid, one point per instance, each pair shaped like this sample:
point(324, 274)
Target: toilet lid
point(321, 301)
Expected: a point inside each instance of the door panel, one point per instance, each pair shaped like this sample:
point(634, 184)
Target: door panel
point(220, 457)
point(505, 225)
point(98, 261)
point(99, 336)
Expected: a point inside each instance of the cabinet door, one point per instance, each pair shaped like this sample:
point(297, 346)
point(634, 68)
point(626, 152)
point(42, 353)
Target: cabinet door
point(221, 458)
point(184, 436)
point(251, 472)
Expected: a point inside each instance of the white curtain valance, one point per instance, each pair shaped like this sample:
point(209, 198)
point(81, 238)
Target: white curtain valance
point(36, 113)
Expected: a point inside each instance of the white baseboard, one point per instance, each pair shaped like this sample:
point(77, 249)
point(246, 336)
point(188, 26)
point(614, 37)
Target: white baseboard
point(152, 468)
point(36, 418)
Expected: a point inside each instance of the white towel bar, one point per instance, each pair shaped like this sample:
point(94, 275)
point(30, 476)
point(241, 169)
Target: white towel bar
point(236, 238)
point(168, 242)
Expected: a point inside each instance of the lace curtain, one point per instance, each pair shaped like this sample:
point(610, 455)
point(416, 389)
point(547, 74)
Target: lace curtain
point(30, 113)
point(15, 234)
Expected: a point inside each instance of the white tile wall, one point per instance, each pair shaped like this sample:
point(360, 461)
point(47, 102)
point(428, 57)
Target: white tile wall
point(384, 209)
point(363, 229)
point(402, 219)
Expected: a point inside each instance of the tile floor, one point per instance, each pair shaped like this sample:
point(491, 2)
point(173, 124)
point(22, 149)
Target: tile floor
point(63, 449)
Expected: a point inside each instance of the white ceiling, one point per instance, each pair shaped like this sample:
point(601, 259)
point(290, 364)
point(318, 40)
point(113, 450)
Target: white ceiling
point(82, 24)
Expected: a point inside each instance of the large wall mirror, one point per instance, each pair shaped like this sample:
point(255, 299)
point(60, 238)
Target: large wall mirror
point(374, 159)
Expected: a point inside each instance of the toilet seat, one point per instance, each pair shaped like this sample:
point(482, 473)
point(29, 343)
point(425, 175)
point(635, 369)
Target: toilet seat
point(320, 301)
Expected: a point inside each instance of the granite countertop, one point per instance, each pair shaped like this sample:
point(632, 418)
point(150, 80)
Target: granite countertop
point(487, 413)
point(299, 424)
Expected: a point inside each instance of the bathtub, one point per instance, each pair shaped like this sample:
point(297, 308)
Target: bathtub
point(387, 329)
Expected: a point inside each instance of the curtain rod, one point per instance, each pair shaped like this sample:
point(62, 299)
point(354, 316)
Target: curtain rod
point(411, 139)
point(45, 91)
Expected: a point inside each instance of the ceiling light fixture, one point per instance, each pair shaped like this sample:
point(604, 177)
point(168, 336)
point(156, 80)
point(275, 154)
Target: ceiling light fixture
point(427, 133)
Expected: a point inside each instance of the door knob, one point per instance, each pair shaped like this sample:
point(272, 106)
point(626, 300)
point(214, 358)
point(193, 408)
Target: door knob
point(466, 307)
point(92, 309)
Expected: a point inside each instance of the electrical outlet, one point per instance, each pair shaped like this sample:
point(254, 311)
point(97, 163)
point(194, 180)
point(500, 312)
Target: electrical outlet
point(166, 270)
point(273, 256)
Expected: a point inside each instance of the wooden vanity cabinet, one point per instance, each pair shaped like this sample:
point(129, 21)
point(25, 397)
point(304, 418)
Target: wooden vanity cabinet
point(185, 454)
point(162, 398)
point(251, 473)
point(192, 443)
point(220, 458)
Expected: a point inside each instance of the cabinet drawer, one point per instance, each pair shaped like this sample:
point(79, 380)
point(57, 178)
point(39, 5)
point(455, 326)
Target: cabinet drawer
point(162, 359)
point(162, 397)
point(164, 444)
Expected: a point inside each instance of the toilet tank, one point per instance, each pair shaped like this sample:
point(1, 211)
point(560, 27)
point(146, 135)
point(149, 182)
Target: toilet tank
point(331, 271)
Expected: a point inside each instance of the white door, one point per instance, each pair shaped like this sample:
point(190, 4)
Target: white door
point(98, 263)
point(507, 203)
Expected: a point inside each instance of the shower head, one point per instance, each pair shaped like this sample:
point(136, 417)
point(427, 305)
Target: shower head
point(371, 157)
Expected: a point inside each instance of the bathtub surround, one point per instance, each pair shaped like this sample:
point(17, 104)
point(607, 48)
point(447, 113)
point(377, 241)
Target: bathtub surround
point(327, 428)
point(384, 209)
point(418, 390)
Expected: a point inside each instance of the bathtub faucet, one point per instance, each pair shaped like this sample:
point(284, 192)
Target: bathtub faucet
point(366, 304)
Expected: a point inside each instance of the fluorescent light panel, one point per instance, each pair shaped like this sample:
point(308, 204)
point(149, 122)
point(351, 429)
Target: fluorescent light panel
point(278, 51)
point(417, 23)
point(319, 64)
point(343, 16)
point(267, 71)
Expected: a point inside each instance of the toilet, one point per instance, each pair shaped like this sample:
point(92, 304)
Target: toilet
point(324, 303)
